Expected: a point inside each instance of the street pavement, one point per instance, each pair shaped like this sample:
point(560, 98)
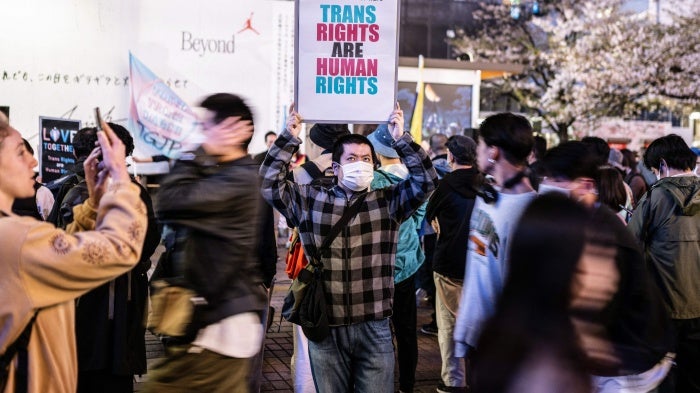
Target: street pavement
point(279, 347)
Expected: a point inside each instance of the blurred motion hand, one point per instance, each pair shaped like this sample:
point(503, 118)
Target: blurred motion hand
point(229, 133)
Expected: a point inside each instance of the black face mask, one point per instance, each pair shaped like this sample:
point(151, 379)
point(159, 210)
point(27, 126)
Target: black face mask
point(489, 194)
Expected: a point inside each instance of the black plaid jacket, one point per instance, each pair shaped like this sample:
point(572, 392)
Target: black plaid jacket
point(359, 275)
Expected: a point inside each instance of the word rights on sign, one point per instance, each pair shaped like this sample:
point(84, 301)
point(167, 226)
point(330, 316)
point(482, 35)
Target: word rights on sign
point(346, 71)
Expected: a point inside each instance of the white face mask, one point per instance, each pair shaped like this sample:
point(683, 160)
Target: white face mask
point(546, 188)
point(357, 176)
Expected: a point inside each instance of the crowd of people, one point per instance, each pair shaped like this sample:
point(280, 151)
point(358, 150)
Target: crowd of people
point(568, 269)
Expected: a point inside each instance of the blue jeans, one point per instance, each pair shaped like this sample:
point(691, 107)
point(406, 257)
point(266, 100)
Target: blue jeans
point(358, 357)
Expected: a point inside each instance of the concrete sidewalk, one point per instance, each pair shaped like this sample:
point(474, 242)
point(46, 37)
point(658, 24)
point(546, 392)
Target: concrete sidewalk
point(279, 348)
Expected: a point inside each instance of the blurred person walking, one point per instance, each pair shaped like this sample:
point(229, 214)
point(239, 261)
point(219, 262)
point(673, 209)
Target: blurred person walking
point(530, 345)
point(211, 200)
point(623, 327)
point(505, 141)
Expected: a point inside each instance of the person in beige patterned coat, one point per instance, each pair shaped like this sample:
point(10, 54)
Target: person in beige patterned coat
point(43, 269)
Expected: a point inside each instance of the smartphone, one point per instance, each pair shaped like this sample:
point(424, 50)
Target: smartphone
point(98, 119)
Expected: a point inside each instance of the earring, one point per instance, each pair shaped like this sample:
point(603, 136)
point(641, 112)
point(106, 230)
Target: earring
point(491, 160)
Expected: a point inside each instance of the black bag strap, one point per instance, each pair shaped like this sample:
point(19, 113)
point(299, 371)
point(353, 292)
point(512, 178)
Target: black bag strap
point(349, 213)
point(312, 169)
point(19, 348)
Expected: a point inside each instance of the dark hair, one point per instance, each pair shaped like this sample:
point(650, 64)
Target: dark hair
point(84, 141)
point(225, 105)
point(463, 149)
point(611, 189)
point(125, 136)
point(269, 133)
point(539, 147)
point(599, 149)
point(437, 142)
point(511, 133)
point(570, 160)
point(28, 146)
point(339, 145)
point(628, 159)
point(532, 314)
point(672, 149)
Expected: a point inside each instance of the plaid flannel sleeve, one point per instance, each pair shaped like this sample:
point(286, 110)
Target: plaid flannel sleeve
point(283, 194)
point(408, 195)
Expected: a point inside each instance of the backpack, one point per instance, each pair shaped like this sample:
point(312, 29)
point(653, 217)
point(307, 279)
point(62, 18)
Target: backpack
point(296, 260)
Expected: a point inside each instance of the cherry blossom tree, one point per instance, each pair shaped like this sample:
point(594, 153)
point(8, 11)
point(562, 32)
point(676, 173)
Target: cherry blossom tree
point(585, 59)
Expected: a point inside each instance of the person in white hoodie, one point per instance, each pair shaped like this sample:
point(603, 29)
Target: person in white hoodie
point(504, 143)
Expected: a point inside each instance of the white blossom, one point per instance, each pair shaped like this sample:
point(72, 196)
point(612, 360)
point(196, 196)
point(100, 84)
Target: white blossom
point(584, 60)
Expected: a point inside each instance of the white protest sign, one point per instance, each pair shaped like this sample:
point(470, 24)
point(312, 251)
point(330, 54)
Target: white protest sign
point(346, 60)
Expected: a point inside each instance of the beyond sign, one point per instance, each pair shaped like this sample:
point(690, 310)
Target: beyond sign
point(206, 45)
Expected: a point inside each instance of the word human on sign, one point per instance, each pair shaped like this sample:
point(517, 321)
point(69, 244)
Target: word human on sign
point(346, 71)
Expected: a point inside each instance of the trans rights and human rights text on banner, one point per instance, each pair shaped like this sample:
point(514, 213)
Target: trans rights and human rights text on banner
point(161, 122)
point(56, 147)
point(346, 60)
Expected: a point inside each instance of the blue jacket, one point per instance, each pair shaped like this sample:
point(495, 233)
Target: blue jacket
point(409, 253)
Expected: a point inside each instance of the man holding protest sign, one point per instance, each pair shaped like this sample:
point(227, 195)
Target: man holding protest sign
point(358, 268)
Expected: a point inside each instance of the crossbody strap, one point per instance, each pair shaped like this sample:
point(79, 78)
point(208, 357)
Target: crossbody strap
point(347, 215)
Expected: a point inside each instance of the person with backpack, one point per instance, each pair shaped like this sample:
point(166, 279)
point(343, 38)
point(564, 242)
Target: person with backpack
point(109, 319)
point(409, 257)
point(318, 170)
point(667, 224)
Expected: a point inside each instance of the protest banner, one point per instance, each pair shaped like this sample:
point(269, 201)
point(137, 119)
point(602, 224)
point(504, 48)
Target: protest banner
point(56, 147)
point(346, 55)
point(161, 122)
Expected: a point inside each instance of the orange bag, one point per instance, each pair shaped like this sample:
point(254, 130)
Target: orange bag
point(296, 260)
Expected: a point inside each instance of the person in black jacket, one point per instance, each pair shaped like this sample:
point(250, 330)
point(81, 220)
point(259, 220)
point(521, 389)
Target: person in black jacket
point(109, 319)
point(449, 209)
point(38, 206)
point(211, 200)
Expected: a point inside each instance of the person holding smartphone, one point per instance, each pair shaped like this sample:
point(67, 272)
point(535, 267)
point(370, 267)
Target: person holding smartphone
point(44, 268)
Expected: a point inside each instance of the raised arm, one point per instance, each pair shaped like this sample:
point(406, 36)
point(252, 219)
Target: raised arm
point(56, 266)
point(282, 194)
point(410, 194)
